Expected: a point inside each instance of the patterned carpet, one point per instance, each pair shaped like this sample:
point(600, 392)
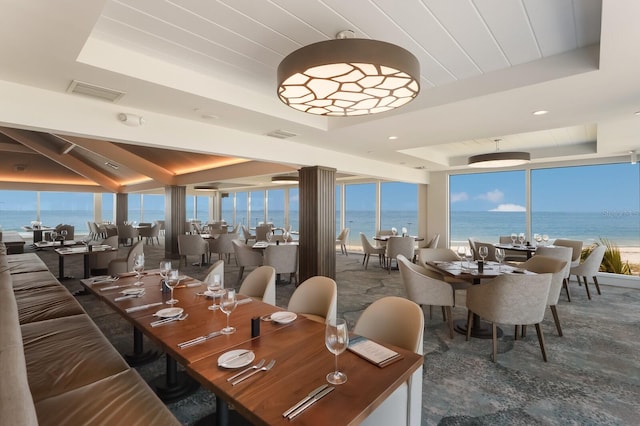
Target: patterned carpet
point(592, 377)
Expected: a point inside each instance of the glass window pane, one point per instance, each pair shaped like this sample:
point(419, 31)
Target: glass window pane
point(134, 211)
point(227, 208)
point(202, 212)
point(108, 213)
point(257, 207)
point(360, 211)
point(486, 205)
point(241, 208)
point(399, 206)
point(294, 209)
point(153, 208)
point(583, 203)
point(72, 208)
point(18, 209)
point(275, 206)
point(338, 206)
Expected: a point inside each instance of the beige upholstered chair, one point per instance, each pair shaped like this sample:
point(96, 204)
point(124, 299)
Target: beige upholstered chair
point(125, 264)
point(246, 256)
point(491, 250)
point(562, 253)
point(161, 225)
point(127, 234)
point(512, 255)
point(446, 255)
point(216, 269)
point(246, 235)
point(370, 249)
point(150, 233)
point(548, 265)
point(343, 239)
point(260, 284)
point(262, 231)
point(399, 245)
point(575, 245)
point(424, 288)
point(222, 245)
point(99, 261)
point(192, 245)
point(590, 267)
point(517, 299)
point(284, 258)
point(315, 298)
point(399, 322)
point(433, 243)
point(472, 246)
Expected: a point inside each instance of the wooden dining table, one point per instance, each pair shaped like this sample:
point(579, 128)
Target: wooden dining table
point(301, 359)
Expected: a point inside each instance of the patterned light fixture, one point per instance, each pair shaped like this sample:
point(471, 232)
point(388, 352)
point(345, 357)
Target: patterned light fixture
point(499, 158)
point(348, 76)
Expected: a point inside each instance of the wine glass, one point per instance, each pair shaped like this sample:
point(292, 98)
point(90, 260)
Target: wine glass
point(537, 238)
point(483, 251)
point(215, 287)
point(500, 257)
point(172, 281)
point(337, 339)
point(138, 268)
point(394, 231)
point(63, 235)
point(461, 253)
point(54, 236)
point(468, 254)
point(269, 236)
point(404, 231)
point(545, 239)
point(165, 267)
point(521, 238)
point(514, 237)
point(228, 303)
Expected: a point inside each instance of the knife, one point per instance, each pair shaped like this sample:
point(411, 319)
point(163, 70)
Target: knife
point(312, 401)
point(198, 340)
point(305, 399)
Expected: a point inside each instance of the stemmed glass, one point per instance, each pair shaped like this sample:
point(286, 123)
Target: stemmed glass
point(228, 303)
point(545, 239)
point(138, 268)
point(336, 337)
point(500, 257)
point(165, 267)
point(63, 234)
point(394, 231)
point(521, 238)
point(537, 238)
point(54, 237)
point(461, 253)
point(172, 281)
point(468, 254)
point(269, 236)
point(483, 251)
point(215, 287)
point(514, 237)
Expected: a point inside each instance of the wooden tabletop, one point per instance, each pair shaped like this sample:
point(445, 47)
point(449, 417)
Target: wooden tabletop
point(302, 359)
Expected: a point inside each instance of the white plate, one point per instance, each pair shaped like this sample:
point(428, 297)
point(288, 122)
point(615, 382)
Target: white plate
point(169, 312)
point(132, 291)
point(232, 360)
point(283, 317)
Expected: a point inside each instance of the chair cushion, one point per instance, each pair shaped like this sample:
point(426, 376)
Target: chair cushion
point(125, 399)
point(32, 280)
point(26, 262)
point(46, 303)
point(61, 355)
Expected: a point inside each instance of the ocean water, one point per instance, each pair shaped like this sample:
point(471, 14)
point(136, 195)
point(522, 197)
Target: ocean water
point(621, 228)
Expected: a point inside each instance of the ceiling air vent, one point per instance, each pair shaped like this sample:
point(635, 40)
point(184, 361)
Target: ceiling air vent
point(87, 89)
point(281, 134)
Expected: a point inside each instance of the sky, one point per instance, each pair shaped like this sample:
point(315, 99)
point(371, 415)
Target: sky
point(603, 188)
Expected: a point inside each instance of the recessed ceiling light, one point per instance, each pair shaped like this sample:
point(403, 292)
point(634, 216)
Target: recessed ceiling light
point(637, 113)
point(392, 138)
point(540, 112)
point(206, 114)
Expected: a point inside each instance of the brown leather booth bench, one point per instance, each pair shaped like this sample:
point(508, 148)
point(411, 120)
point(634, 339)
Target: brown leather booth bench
point(13, 241)
point(56, 366)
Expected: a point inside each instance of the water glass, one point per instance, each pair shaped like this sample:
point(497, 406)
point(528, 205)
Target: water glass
point(165, 267)
point(483, 251)
point(500, 255)
point(461, 253)
point(227, 304)
point(172, 281)
point(215, 287)
point(138, 268)
point(336, 339)
point(514, 237)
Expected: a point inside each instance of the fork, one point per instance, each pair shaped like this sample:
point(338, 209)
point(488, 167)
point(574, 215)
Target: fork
point(265, 368)
point(168, 320)
point(253, 367)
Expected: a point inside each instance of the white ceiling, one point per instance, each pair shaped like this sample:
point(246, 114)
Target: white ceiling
point(486, 66)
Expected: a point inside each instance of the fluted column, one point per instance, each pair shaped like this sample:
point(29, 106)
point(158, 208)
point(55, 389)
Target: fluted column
point(317, 222)
point(175, 216)
point(122, 208)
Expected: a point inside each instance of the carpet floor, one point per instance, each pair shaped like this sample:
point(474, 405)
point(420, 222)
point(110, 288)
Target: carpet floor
point(592, 377)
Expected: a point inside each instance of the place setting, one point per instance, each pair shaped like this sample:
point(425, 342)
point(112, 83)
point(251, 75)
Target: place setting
point(168, 315)
point(130, 293)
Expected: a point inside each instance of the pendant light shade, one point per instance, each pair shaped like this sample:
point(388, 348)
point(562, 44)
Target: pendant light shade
point(499, 158)
point(348, 76)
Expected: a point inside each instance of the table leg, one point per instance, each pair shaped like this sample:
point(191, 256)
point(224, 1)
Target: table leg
point(174, 385)
point(61, 267)
point(139, 356)
point(87, 270)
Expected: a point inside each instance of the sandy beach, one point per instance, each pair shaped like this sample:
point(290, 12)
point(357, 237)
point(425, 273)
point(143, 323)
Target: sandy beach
point(632, 255)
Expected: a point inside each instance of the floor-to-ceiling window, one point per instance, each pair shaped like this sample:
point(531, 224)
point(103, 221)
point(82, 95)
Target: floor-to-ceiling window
point(108, 212)
point(486, 206)
point(256, 208)
point(71, 208)
point(227, 208)
point(276, 207)
point(241, 209)
point(153, 207)
point(360, 210)
point(18, 209)
point(294, 208)
point(134, 208)
point(399, 206)
point(339, 207)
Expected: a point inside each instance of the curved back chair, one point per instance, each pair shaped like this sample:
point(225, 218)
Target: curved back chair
point(424, 289)
point(549, 265)
point(216, 269)
point(517, 299)
point(192, 245)
point(262, 231)
point(316, 298)
point(149, 233)
point(260, 284)
point(473, 247)
point(127, 234)
point(246, 235)
point(343, 239)
point(400, 322)
point(512, 255)
point(125, 264)
point(222, 245)
point(562, 253)
point(100, 260)
point(246, 256)
point(433, 243)
point(590, 267)
point(575, 245)
point(70, 231)
point(370, 249)
point(284, 258)
point(399, 245)
point(491, 251)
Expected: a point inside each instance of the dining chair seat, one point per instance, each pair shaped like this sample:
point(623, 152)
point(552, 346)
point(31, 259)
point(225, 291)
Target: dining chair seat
point(316, 299)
